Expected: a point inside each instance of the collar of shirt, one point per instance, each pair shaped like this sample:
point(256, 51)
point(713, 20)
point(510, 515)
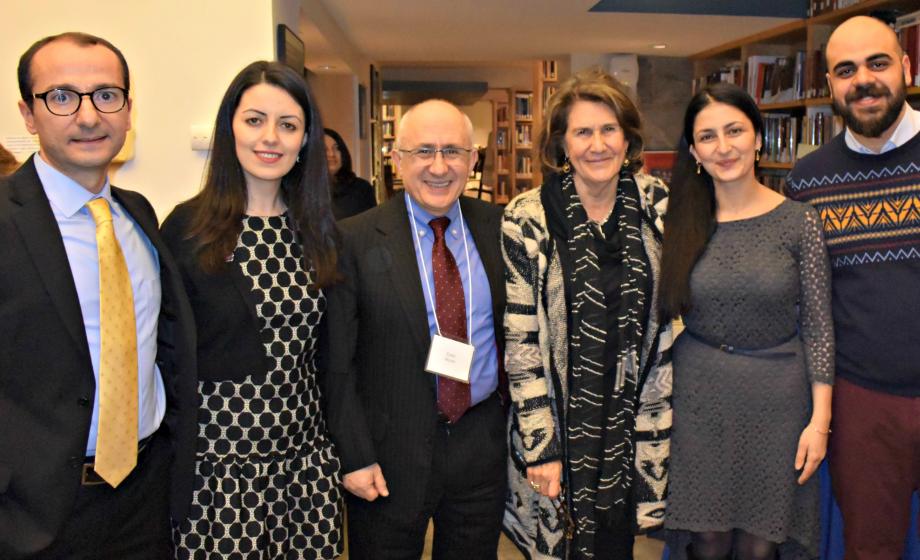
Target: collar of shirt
point(422, 217)
point(906, 129)
point(66, 195)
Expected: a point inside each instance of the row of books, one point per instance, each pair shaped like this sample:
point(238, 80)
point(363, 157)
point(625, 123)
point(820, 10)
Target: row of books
point(777, 79)
point(501, 163)
point(523, 105)
point(388, 128)
point(550, 70)
point(388, 111)
point(908, 29)
point(730, 73)
point(501, 138)
point(780, 138)
point(783, 134)
point(522, 136)
point(524, 165)
point(818, 7)
point(501, 113)
point(776, 181)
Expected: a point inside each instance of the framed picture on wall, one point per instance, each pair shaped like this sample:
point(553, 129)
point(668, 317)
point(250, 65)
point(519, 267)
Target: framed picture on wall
point(290, 48)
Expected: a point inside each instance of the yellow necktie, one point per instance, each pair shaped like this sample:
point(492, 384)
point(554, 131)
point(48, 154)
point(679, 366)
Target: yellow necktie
point(116, 443)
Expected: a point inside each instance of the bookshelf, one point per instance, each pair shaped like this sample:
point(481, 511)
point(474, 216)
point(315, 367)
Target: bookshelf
point(389, 124)
point(783, 68)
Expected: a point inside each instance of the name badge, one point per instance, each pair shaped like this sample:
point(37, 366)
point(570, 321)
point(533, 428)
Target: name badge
point(450, 358)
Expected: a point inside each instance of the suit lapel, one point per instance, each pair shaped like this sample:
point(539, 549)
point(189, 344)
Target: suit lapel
point(485, 232)
point(396, 233)
point(42, 238)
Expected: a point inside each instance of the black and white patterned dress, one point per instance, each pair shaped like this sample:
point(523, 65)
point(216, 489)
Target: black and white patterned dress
point(267, 477)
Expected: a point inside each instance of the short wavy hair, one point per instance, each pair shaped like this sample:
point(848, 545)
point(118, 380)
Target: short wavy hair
point(588, 85)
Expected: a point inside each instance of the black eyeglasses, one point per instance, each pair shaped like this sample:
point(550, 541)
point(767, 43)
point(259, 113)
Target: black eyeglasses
point(64, 102)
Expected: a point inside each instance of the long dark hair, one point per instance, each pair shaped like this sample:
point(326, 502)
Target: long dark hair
point(217, 221)
point(345, 172)
point(691, 217)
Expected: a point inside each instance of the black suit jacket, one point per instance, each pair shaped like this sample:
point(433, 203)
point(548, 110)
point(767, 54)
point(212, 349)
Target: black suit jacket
point(230, 347)
point(46, 376)
point(382, 404)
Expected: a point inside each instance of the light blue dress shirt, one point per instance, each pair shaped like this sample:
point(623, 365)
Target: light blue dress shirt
point(484, 372)
point(78, 230)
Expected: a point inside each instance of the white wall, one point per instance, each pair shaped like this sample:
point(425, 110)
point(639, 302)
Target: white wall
point(182, 55)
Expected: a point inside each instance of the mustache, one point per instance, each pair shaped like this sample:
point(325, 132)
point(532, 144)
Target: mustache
point(868, 90)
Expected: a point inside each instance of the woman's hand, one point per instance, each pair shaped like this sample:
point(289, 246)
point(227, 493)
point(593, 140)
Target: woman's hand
point(546, 479)
point(812, 448)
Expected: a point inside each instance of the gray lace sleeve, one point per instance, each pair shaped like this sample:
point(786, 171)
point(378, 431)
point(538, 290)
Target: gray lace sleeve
point(815, 319)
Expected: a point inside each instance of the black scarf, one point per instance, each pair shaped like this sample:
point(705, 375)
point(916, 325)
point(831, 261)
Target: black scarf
point(600, 419)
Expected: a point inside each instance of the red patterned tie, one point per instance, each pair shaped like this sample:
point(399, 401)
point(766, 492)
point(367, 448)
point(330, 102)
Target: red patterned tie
point(450, 307)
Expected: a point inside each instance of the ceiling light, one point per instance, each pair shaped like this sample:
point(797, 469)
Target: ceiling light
point(327, 67)
point(659, 46)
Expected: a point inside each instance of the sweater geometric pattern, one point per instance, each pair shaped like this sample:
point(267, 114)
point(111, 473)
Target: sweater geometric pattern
point(870, 214)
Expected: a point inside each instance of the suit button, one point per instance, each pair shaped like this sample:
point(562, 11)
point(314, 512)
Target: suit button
point(83, 401)
point(76, 462)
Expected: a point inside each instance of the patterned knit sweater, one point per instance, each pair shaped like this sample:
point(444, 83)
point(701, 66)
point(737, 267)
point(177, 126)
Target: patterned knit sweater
point(537, 362)
point(870, 206)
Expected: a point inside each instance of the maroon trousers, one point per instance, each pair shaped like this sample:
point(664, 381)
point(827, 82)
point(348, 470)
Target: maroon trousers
point(875, 467)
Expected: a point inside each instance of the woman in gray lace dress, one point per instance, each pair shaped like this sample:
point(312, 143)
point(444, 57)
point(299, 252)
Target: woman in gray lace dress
point(747, 270)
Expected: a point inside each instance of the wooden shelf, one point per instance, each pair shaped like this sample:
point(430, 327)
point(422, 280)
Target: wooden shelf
point(503, 124)
point(523, 146)
point(795, 104)
point(775, 165)
point(794, 30)
point(519, 119)
point(523, 176)
point(912, 91)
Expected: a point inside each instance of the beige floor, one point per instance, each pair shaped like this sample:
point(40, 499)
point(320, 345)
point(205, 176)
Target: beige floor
point(646, 549)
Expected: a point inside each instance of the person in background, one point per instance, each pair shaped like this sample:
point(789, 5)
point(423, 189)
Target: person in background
point(865, 186)
point(587, 354)
point(422, 294)
point(97, 357)
point(8, 162)
point(747, 270)
point(256, 247)
point(350, 194)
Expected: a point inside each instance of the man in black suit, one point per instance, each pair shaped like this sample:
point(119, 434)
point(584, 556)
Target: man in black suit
point(58, 345)
point(421, 271)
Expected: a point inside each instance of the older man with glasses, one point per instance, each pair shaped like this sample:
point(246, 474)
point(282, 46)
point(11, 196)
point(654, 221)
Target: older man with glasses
point(97, 357)
point(415, 339)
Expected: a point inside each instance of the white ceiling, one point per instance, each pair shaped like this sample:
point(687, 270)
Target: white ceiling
point(396, 32)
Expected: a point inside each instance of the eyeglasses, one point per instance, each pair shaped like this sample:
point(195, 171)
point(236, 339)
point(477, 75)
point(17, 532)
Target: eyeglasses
point(64, 102)
point(427, 155)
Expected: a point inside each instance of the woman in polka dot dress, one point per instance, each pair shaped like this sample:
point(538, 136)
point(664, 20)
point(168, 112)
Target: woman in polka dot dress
point(255, 246)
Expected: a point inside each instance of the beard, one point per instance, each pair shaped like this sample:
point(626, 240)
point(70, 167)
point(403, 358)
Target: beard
point(875, 124)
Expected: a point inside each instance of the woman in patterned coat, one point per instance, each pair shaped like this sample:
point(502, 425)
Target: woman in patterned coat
point(255, 248)
point(586, 354)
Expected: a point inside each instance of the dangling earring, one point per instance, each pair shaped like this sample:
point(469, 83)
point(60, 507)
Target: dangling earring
point(699, 168)
point(625, 163)
point(757, 154)
point(566, 167)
